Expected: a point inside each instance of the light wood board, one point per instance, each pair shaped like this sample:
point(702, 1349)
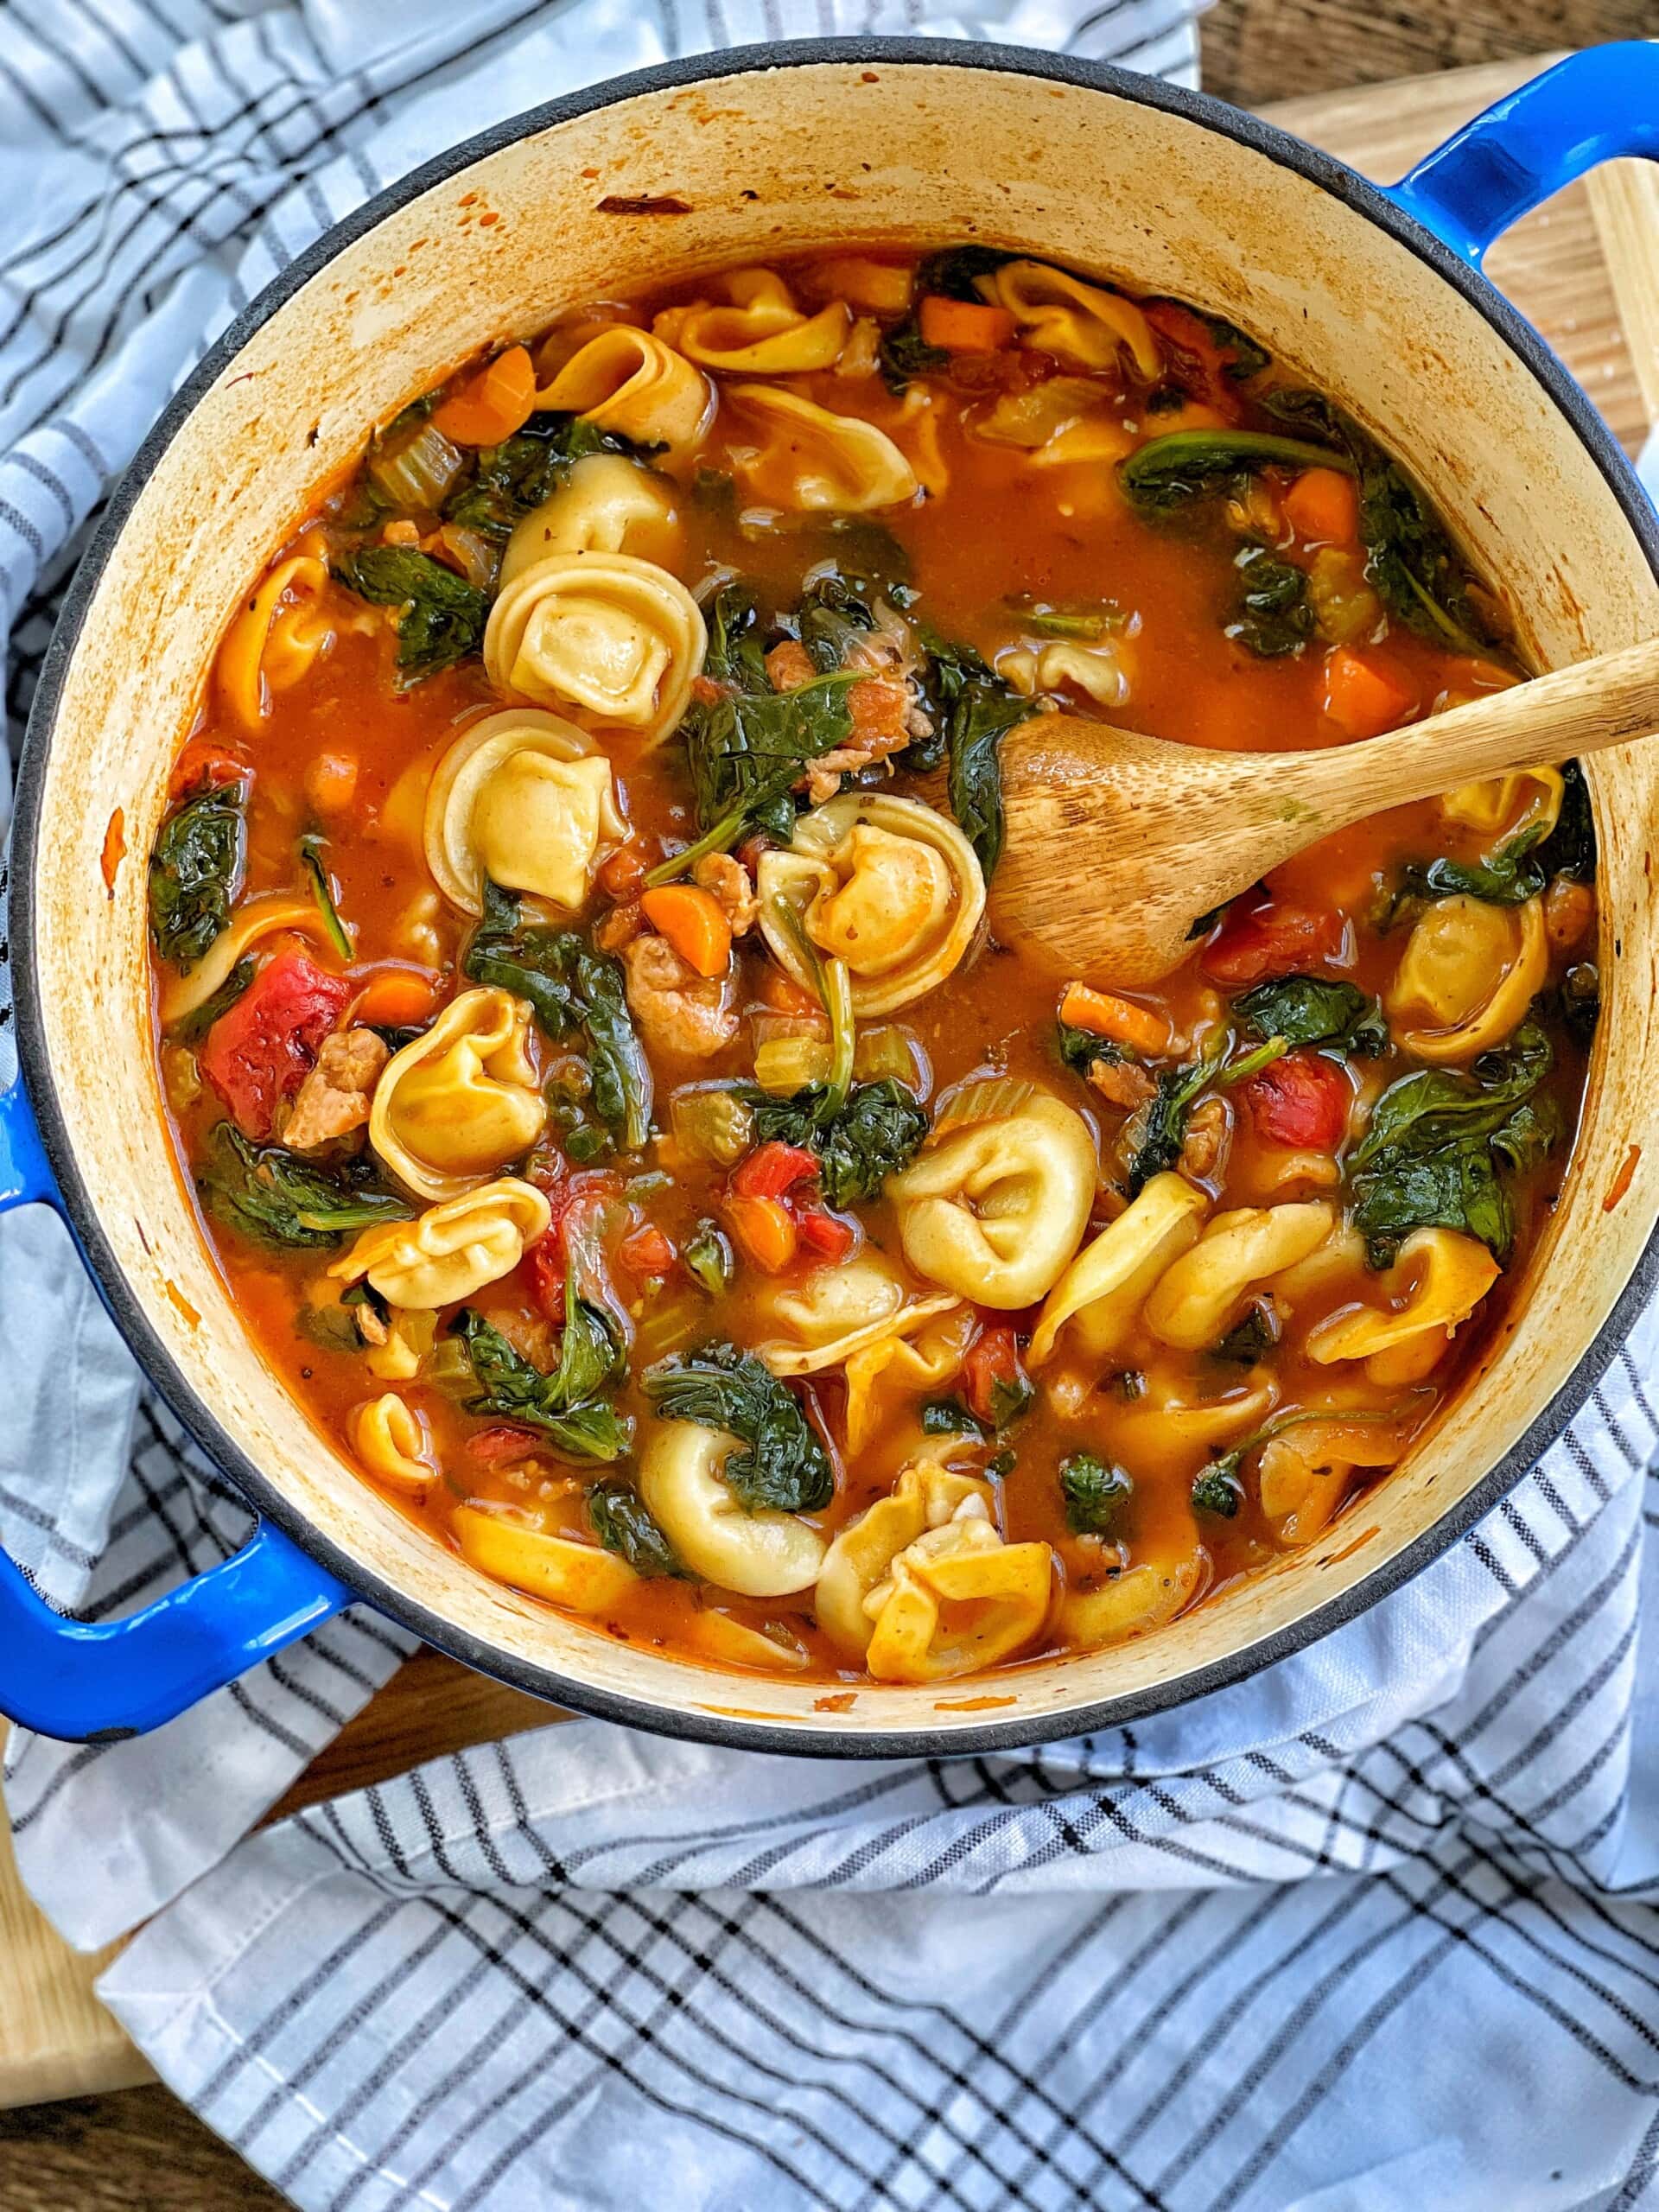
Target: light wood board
point(1586, 270)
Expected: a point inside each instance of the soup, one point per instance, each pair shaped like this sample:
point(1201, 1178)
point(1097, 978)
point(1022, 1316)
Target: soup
point(581, 1030)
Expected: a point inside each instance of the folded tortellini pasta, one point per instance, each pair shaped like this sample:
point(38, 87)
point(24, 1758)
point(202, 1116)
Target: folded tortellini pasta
point(759, 1555)
point(185, 994)
point(807, 459)
point(1468, 974)
point(1073, 321)
point(1435, 1284)
point(626, 380)
point(602, 634)
point(912, 1364)
point(390, 1437)
point(461, 1100)
point(1104, 1289)
point(449, 1252)
point(1170, 1570)
point(1525, 799)
point(922, 1586)
point(887, 884)
point(607, 504)
point(836, 1310)
point(1303, 1474)
point(753, 328)
point(275, 637)
point(994, 1208)
point(580, 1576)
point(1099, 671)
point(523, 799)
point(1199, 1294)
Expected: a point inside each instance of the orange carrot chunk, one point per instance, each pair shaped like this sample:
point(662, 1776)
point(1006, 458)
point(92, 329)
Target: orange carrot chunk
point(493, 405)
point(693, 923)
point(1366, 693)
point(1104, 1015)
point(398, 998)
point(1322, 507)
point(965, 326)
point(765, 1233)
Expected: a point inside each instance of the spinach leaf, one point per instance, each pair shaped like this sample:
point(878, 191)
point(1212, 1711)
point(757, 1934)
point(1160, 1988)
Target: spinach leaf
point(1511, 876)
point(951, 275)
point(1216, 1489)
point(525, 469)
point(1439, 1138)
point(1094, 1492)
point(195, 1026)
point(858, 1146)
point(1185, 465)
point(568, 1406)
point(1273, 617)
point(617, 1516)
point(275, 1198)
point(1570, 848)
point(831, 615)
point(196, 868)
point(1315, 1010)
point(984, 710)
point(950, 1417)
point(708, 1255)
point(783, 1467)
point(1163, 1130)
point(312, 847)
point(1081, 1048)
point(568, 983)
point(1248, 1339)
point(1578, 1003)
point(737, 645)
point(1010, 1397)
point(903, 353)
point(441, 617)
point(747, 750)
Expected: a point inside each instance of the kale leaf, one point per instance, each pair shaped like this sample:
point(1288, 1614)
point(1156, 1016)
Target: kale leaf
point(1315, 1010)
point(857, 1145)
point(274, 1196)
point(1273, 617)
point(196, 868)
point(569, 984)
point(570, 1406)
point(1094, 1492)
point(783, 1467)
point(441, 616)
point(617, 1516)
point(1438, 1143)
point(1167, 472)
point(525, 469)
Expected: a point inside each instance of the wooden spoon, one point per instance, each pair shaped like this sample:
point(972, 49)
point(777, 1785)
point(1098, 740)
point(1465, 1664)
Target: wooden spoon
point(1116, 844)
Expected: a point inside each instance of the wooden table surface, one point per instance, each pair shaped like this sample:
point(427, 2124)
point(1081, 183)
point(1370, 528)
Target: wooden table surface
point(140, 2150)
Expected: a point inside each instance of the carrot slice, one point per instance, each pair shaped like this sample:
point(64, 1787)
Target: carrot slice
point(965, 326)
point(693, 923)
point(1103, 1016)
point(397, 998)
point(1365, 693)
point(1322, 507)
point(493, 405)
point(765, 1232)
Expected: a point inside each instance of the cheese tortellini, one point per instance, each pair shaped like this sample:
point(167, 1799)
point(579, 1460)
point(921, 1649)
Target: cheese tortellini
point(1468, 974)
point(1303, 1474)
point(1104, 1289)
point(995, 1208)
point(1075, 322)
point(923, 1360)
point(759, 1555)
point(1170, 1569)
point(604, 634)
point(812, 460)
point(922, 1586)
point(886, 884)
point(835, 1311)
point(1525, 799)
point(452, 1249)
point(1199, 1293)
point(627, 381)
point(275, 637)
point(607, 504)
point(390, 1437)
point(753, 328)
point(1438, 1279)
point(523, 799)
point(565, 1573)
point(461, 1101)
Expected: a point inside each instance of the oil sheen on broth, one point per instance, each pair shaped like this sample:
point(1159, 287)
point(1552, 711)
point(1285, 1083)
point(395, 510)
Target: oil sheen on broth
point(580, 1029)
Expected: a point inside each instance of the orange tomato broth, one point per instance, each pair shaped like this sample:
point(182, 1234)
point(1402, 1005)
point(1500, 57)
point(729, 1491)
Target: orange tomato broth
point(999, 528)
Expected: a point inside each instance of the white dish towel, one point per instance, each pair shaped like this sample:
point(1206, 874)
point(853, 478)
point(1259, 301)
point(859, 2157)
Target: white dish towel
point(1376, 1929)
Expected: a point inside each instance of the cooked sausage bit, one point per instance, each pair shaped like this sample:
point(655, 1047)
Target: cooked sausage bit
point(677, 1010)
point(334, 1098)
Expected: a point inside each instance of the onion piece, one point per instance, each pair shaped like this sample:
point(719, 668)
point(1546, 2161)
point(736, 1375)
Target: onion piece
point(417, 469)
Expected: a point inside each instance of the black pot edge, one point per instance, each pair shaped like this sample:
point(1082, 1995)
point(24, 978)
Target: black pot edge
point(703, 1724)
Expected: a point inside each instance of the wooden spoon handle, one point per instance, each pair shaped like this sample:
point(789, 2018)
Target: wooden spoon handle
point(1607, 701)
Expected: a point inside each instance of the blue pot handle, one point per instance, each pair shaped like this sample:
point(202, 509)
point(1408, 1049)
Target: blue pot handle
point(93, 1682)
point(1595, 107)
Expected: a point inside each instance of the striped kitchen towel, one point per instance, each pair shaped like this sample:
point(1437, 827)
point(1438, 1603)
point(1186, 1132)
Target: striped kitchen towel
point(1375, 1928)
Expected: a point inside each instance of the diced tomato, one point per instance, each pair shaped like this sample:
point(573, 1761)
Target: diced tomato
point(823, 1234)
point(993, 1359)
point(646, 1253)
point(260, 1050)
point(620, 875)
point(1196, 360)
point(205, 764)
point(499, 1446)
point(569, 1201)
point(1270, 940)
point(1300, 1101)
point(773, 1168)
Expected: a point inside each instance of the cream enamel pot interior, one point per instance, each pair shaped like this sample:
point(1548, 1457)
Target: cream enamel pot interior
point(734, 158)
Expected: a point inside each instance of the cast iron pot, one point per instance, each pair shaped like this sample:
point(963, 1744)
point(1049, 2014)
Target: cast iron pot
point(1375, 295)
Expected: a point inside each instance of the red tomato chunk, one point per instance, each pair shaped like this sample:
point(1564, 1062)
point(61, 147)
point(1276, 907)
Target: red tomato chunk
point(260, 1050)
point(1301, 1102)
point(1270, 940)
point(993, 1359)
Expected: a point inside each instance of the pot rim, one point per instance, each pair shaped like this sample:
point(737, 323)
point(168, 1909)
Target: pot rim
point(699, 1723)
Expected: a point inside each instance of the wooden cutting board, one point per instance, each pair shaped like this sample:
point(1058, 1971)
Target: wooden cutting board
point(1586, 270)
